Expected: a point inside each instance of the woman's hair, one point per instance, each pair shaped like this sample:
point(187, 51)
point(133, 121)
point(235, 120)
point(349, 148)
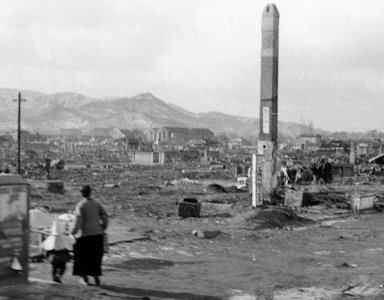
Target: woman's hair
point(86, 191)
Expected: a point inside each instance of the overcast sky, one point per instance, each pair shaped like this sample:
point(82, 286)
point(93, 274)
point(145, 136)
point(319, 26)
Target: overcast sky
point(203, 55)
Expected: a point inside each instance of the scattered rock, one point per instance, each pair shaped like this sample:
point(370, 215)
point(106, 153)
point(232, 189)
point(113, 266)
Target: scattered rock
point(111, 185)
point(207, 234)
point(347, 265)
point(324, 252)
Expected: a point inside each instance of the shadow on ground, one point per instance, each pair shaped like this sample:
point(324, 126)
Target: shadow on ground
point(136, 264)
point(158, 294)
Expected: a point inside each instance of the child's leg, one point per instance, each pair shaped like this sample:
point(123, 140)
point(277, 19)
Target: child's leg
point(97, 280)
point(62, 269)
point(54, 270)
point(56, 273)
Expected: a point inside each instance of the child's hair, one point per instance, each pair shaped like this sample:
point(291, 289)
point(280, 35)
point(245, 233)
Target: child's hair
point(86, 191)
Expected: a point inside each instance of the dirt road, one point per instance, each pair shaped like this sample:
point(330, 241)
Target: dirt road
point(318, 261)
point(339, 259)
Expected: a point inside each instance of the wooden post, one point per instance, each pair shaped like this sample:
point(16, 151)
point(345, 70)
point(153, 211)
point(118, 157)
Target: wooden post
point(254, 180)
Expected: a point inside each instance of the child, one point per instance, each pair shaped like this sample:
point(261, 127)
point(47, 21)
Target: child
point(58, 246)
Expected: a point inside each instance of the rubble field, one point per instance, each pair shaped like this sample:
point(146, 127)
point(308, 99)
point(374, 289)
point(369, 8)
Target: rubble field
point(231, 251)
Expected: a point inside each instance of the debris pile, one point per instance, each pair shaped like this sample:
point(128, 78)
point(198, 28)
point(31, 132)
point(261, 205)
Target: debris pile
point(181, 181)
point(276, 218)
point(217, 188)
point(327, 197)
point(331, 199)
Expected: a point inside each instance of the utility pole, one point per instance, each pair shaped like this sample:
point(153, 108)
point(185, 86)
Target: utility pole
point(19, 132)
point(267, 144)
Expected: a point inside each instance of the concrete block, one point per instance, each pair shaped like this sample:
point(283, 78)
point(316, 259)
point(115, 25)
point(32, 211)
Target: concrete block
point(363, 202)
point(293, 198)
point(56, 186)
point(189, 208)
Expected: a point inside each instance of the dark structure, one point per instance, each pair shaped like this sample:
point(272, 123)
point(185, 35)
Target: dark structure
point(181, 135)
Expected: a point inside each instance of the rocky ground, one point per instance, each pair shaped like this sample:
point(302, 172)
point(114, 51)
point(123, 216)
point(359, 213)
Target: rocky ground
point(230, 252)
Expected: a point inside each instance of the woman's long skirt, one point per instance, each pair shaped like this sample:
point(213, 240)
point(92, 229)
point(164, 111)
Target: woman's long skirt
point(88, 255)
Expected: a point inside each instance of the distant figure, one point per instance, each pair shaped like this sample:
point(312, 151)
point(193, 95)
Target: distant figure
point(58, 246)
point(284, 177)
point(327, 171)
point(298, 176)
point(90, 224)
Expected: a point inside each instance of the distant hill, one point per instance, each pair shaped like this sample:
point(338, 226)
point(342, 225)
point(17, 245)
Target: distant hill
point(48, 113)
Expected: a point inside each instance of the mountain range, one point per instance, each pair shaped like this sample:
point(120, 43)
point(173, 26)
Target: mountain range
point(48, 113)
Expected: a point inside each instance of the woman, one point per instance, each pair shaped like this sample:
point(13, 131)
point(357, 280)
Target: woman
point(91, 222)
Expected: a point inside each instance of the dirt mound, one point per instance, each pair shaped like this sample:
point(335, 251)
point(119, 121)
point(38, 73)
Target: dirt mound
point(276, 218)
